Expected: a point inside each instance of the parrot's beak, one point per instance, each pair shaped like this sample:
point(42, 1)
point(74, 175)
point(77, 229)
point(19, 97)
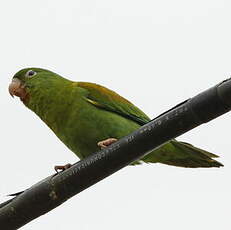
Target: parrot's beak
point(16, 88)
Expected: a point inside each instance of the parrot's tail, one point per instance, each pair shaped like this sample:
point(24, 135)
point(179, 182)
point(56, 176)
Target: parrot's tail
point(183, 155)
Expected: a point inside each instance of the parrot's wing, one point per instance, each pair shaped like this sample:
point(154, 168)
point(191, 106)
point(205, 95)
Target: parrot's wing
point(173, 153)
point(111, 101)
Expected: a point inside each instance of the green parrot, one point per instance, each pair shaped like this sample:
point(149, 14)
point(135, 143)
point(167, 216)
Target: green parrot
point(86, 117)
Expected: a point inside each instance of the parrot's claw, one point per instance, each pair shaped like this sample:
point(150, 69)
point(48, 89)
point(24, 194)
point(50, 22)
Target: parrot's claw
point(103, 144)
point(61, 168)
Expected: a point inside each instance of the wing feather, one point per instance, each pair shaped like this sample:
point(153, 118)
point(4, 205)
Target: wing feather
point(109, 100)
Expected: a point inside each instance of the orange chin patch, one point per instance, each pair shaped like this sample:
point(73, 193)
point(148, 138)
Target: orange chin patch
point(16, 88)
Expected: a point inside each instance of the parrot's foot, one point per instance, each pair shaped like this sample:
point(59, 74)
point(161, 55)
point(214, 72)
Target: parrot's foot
point(62, 167)
point(107, 142)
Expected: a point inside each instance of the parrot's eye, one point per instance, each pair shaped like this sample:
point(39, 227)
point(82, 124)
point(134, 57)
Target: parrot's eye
point(30, 73)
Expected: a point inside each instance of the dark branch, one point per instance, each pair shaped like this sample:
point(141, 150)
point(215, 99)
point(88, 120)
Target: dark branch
point(56, 189)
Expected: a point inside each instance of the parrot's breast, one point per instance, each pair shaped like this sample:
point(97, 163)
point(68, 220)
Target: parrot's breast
point(85, 125)
point(79, 124)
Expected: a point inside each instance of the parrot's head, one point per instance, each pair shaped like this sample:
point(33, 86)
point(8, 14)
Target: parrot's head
point(28, 80)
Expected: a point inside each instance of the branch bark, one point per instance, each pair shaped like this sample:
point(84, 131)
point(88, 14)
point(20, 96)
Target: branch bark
point(56, 189)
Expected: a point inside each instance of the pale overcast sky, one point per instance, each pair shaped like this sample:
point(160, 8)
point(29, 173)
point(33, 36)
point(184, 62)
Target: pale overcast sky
point(154, 53)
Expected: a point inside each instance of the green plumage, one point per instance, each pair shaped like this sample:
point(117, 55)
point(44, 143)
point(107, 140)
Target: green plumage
point(82, 114)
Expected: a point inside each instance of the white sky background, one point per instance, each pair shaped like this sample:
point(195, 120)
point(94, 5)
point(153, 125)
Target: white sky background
point(154, 53)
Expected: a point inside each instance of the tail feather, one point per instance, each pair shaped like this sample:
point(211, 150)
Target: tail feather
point(212, 155)
point(182, 154)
